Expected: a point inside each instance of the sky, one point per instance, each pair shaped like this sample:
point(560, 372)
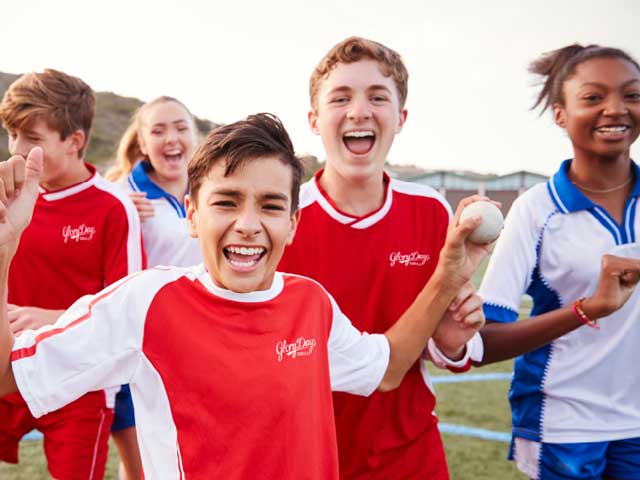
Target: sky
point(469, 91)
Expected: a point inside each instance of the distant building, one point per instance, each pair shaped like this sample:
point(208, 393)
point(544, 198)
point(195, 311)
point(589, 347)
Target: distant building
point(502, 188)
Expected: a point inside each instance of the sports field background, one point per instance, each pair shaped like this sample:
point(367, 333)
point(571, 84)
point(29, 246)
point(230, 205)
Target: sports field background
point(478, 404)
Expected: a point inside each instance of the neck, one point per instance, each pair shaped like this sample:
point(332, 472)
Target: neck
point(73, 175)
point(177, 187)
point(354, 196)
point(600, 173)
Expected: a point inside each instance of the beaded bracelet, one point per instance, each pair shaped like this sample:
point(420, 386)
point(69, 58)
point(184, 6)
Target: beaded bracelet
point(579, 313)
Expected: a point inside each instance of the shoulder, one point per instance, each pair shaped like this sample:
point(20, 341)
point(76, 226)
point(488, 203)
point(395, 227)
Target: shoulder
point(420, 193)
point(303, 283)
point(115, 195)
point(308, 193)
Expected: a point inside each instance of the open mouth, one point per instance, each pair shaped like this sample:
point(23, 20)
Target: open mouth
point(244, 258)
point(173, 157)
point(613, 131)
point(359, 142)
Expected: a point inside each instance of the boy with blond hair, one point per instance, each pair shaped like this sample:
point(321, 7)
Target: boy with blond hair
point(374, 242)
point(84, 235)
point(245, 390)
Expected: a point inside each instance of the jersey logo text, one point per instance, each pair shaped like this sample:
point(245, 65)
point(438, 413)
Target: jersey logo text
point(302, 347)
point(82, 232)
point(406, 259)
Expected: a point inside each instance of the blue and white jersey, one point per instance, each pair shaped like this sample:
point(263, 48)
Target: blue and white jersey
point(166, 236)
point(584, 386)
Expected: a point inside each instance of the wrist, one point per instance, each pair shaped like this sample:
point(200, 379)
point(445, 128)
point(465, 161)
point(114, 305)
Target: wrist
point(593, 309)
point(455, 354)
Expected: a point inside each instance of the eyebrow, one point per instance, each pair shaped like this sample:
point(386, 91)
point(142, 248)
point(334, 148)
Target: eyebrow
point(238, 194)
point(175, 122)
point(346, 88)
point(598, 84)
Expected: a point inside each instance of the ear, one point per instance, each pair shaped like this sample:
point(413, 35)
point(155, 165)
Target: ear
point(313, 121)
point(559, 115)
point(76, 141)
point(401, 120)
point(192, 216)
point(295, 218)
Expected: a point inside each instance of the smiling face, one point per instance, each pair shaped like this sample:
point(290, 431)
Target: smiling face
point(601, 110)
point(244, 221)
point(357, 116)
point(62, 164)
point(167, 138)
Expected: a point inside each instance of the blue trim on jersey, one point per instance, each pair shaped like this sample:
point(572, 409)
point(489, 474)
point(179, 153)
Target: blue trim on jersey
point(499, 313)
point(630, 215)
point(525, 395)
point(140, 182)
point(568, 198)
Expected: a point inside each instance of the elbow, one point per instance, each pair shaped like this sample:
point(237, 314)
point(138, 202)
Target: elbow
point(389, 384)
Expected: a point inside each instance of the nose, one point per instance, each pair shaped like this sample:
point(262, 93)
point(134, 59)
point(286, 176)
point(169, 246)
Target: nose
point(248, 222)
point(17, 146)
point(615, 106)
point(172, 135)
point(359, 110)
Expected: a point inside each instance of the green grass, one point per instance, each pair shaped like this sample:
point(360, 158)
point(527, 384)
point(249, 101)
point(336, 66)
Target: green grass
point(33, 465)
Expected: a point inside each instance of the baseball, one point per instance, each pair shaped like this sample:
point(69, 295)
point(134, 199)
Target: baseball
point(492, 221)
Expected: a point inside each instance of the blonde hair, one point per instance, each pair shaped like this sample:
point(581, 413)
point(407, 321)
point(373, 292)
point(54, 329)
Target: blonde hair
point(129, 152)
point(65, 103)
point(354, 49)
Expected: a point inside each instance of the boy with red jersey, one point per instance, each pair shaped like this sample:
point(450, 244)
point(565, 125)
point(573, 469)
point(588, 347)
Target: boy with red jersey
point(84, 235)
point(230, 363)
point(374, 242)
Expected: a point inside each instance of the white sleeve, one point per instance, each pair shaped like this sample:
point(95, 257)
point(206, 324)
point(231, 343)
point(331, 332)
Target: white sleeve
point(512, 262)
point(95, 344)
point(357, 361)
point(474, 352)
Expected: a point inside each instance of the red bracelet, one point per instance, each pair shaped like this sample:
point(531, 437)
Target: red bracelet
point(579, 313)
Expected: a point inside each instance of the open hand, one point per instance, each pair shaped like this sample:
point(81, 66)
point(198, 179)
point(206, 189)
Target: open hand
point(30, 318)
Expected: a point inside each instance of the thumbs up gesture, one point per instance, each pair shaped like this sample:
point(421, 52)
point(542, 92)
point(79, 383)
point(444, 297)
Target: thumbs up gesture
point(18, 193)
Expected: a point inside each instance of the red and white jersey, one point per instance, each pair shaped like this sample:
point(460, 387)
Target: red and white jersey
point(226, 385)
point(80, 239)
point(374, 267)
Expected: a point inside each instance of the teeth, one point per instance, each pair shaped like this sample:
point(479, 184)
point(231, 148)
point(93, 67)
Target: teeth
point(617, 129)
point(360, 134)
point(243, 264)
point(246, 250)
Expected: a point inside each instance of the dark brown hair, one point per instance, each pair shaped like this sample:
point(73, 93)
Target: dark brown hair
point(65, 103)
point(354, 49)
point(558, 65)
point(255, 137)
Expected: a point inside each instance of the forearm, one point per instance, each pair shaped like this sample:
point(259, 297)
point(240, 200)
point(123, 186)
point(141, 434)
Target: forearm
point(7, 380)
point(503, 341)
point(409, 335)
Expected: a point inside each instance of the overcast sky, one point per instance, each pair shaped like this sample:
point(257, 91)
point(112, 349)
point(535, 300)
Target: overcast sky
point(469, 91)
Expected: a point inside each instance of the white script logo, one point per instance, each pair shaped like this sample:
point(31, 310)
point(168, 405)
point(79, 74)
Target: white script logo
point(78, 233)
point(301, 347)
point(406, 259)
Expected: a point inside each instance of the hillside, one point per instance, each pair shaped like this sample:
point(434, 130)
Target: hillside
point(113, 113)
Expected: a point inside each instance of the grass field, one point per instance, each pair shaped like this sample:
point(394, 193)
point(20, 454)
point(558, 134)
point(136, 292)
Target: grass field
point(472, 404)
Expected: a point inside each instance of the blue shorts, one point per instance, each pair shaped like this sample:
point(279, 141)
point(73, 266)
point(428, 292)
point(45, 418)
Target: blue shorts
point(123, 416)
point(619, 459)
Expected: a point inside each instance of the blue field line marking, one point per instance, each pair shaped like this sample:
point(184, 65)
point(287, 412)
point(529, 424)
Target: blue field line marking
point(474, 432)
point(471, 377)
